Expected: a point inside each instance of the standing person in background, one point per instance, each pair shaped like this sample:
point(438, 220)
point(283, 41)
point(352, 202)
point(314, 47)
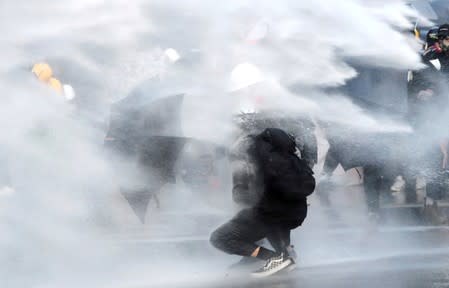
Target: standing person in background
point(428, 101)
point(438, 49)
point(352, 149)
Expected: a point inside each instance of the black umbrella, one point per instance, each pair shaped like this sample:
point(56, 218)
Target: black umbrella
point(145, 130)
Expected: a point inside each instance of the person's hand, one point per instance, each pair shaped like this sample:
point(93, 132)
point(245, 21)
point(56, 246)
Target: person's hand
point(425, 95)
point(437, 47)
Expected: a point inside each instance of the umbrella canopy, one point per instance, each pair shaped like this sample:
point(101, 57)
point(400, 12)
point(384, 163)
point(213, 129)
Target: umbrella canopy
point(143, 114)
point(146, 140)
point(145, 131)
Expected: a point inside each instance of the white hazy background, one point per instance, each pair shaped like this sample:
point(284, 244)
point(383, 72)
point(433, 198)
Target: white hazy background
point(49, 231)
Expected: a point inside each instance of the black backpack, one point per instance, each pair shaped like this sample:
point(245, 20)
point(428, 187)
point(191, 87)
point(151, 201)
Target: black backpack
point(284, 172)
point(301, 178)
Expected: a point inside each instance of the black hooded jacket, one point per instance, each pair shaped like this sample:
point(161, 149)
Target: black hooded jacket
point(287, 180)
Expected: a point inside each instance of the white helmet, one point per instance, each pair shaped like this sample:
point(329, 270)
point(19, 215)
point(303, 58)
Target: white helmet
point(244, 75)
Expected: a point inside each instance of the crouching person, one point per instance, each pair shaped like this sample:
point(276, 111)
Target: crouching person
point(282, 206)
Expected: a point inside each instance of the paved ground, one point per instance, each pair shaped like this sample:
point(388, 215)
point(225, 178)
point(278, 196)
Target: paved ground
point(405, 271)
point(399, 256)
point(347, 251)
point(330, 256)
point(172, 250)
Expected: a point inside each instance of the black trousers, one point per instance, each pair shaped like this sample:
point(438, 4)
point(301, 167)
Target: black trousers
point(427, 164)
point(377, 178)
point(240, 234)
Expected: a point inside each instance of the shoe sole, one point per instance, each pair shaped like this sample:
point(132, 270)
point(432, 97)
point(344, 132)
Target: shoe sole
point(273, 271)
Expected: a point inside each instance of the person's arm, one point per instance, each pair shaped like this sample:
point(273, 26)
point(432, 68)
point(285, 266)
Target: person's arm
point(310, 148)
point(330, 161)
point(431, 53)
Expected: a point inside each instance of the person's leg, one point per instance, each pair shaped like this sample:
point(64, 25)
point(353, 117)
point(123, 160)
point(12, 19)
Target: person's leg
point(289, 249)
point(285, 236)
point(324, 183)
point(279, 239)
point(410, 174)
point(434, 174)
point(279, 236)
point(411, 167)
point(239, 236)
point(372, 183)
point(331, 161)
point(388, 177)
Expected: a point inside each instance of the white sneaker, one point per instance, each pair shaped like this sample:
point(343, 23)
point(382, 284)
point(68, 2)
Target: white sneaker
point(272, 266)
point(398, 185)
